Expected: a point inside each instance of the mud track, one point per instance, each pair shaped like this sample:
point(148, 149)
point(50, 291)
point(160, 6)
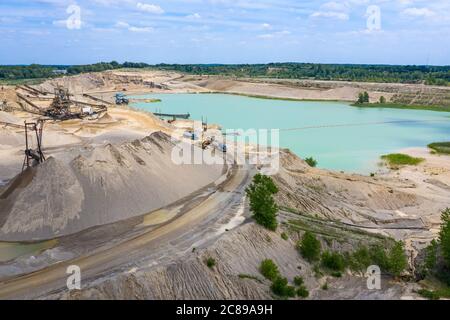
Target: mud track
point(194, 221)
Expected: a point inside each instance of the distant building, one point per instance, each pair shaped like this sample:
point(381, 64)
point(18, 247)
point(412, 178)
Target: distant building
point(59, 71)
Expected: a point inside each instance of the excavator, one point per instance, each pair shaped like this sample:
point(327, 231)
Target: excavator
point(206, 143)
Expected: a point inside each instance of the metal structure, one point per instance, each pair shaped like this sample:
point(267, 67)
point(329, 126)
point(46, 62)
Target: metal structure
point(95, 98)
point(206, 143)
point(5, 107)
point(60, 107)
point(35, 156)
point(121, 99)
point(36, 108)
point(205, 124)
point(173, 116)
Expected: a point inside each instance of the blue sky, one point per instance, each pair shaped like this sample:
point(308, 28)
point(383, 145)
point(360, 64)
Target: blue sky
point(225, 31)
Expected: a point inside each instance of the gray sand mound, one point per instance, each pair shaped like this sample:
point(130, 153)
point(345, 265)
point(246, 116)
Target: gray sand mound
point(8, 117)
point(109, 184)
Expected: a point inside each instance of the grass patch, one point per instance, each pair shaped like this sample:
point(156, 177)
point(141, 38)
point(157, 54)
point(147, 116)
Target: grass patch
point(330, 229)
point(249, 276)
point(430, 295)
point(18, 82)
point(399, 159)
point(402, 106)
point(440, 147)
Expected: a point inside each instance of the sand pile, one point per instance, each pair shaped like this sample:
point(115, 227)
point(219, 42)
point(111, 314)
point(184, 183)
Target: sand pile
point(10, 136)
point(76, 84)
point(108, 81)
point(105, 185)
point(10, 118)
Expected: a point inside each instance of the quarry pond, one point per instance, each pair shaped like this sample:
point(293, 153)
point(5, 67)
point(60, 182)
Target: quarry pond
point(338, 135)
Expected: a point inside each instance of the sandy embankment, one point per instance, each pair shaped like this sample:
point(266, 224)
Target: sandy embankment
point(430, 178)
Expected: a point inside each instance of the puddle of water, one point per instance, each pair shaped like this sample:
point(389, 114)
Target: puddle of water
point(13, 250)
point(236, 220)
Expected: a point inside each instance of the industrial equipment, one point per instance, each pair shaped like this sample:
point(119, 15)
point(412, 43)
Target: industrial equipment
point(121, 99)
point(35, 156)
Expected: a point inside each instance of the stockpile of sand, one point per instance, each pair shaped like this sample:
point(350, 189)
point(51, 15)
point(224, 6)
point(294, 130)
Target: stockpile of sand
point(108, 184)
point(10, 118)
point(10, 136)
point(76, 84)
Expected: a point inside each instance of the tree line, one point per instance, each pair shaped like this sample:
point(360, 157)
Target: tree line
point(430, 75)
point(36, 71)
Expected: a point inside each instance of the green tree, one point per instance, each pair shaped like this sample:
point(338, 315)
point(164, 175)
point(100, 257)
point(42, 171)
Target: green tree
point(302, 292)
point(366, 97)
point(444, 236)
point(361, 98)
point(379, 257)
point(382, 99)
point(269, 270)
point(262, 203)
point(311, 162)
point(310, 247)
point(298, 281)
point(333, 261)
point(431, 255)
point(397, 259)
point(281, 288)
point(360, 259)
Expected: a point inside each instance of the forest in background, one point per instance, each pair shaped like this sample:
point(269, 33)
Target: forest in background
point(430, 75)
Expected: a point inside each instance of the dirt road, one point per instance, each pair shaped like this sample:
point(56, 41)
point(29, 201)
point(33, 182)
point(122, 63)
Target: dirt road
point(53, 278)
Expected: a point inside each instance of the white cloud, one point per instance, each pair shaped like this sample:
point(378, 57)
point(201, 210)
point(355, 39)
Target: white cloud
point(274, 34)
point(266, 36)
point(140, 29)
point(330, 14)
point(419, 12)
point(125, 25)
point(194, 16)
point(121, 24)
point(405, 2)
point(150, 8)
point(335, 10)
point(334, 6)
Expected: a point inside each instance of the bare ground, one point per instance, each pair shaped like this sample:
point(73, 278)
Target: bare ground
point(404, 204)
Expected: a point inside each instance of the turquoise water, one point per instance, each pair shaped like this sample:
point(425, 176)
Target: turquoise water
point(354, 148)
